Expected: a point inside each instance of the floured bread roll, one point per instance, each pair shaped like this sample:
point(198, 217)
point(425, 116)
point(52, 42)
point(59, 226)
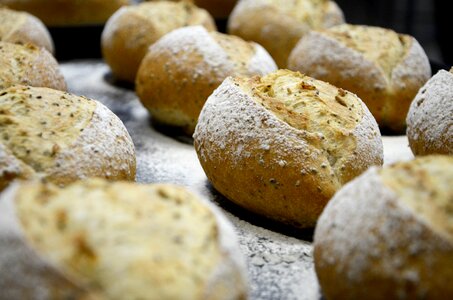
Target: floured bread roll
point(132, 29)
point(430, 117)
point(22, 28)
point(60, 137)
point(68, 12)
point(384, 68)
point(101, 240)
point(389, 234)
point(184, 67)
point(281, 145)
point(278, 25)
point(29, 65)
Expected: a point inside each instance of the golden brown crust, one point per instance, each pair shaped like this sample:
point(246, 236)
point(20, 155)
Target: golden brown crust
point(62, 137)
point(22, 28)
point(182, 69)
point(29, 65)
point(278, 25)
point(279, 161)
point(131, 30)
point(68, 12)
point(383, 68)
point(118, 241)
point(388, 235)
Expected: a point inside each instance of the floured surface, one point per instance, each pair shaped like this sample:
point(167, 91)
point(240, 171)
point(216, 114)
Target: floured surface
point(279, 266)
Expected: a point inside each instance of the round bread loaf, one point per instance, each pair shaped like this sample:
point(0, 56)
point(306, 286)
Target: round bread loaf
point(60, 137)
point(29, 65)
point(68, 12)
point(184, 67)
point(388, 234)
point(430, 117)
point(101, 240)
point(278, 25)
point(132, 29)
point(281, 145)
point(22, 28)
point(384, 68)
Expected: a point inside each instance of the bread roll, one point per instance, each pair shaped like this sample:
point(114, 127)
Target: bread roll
point(101, 240)
point(278, 25)
point(384, 68)
point(430, 117)
point(131, 30)
point(388, 234)
point(29, 65)
point(183, 68)
point(281, 145)
point(60, 137)
point(22, 28)
point(62, 13)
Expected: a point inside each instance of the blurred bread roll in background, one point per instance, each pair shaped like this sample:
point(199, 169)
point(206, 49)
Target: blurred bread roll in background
point(278, 25)
point(384, 68)
point(60, 137)
point(61, 13)
point(184, 67)
point(281, 145)
point(388, 234)
point(430, 117)
point(22, 28)
point(132, 29)
point(102, 240)
point(29, 65)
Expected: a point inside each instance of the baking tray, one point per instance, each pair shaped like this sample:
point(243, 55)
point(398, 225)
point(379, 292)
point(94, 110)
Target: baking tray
point(279, 258)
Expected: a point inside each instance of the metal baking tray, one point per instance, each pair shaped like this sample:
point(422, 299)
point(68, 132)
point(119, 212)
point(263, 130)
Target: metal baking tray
point(279, 258)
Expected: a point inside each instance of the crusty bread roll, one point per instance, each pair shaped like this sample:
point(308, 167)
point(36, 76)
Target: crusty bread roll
point(388, 234)
point(132, 29)
point(430, 117)
point(101, 240)
point(184, 67)
point(60, 137)
point(29, 65)
point(68, 12)
point(384, 68)
point(281, 145)
point(279, 24)
point(22, 28)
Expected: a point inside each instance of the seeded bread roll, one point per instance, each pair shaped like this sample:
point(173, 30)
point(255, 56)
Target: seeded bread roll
point(29, 65)
point(281, 145)
point(68, 12)
point(102, 240)
point(132, 29)
point(388, 234)
point(278, 25)
point(430, 117)
point(60, 137)
point(184, 67)
point(384, 68)
point(22, 28)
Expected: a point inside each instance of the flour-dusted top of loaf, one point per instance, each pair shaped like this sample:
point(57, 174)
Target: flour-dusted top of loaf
point(28, 65)
point(364, 219)
point(430, 117)
point(64, 137)
point(121, 240)
point(327, 122)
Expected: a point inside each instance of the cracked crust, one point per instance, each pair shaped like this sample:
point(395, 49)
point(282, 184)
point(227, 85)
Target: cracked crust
point(117, 241)
point(61, 137)
point(29, 65)
point(283, 144)
point(383, 68)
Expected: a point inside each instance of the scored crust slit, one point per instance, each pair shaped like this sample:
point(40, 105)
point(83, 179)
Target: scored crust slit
point(282, 144)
